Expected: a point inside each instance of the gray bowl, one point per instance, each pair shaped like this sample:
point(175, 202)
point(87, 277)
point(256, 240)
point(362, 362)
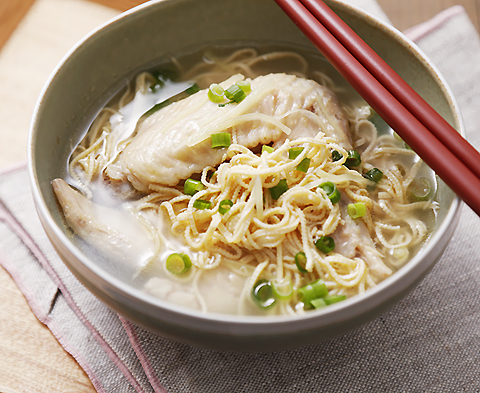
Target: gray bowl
point(101, 63)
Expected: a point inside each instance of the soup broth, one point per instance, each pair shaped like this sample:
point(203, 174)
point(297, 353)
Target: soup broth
point(310, 198)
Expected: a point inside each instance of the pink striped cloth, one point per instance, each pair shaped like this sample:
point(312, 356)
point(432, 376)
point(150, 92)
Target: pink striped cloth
point(428, 342)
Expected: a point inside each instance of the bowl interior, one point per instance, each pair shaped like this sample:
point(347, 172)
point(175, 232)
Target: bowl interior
point(100, 65)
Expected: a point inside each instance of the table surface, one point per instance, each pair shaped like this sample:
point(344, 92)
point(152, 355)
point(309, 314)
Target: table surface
point(31, 359)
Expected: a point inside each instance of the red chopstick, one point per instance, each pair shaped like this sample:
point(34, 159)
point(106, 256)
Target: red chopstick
point(418, 129)
point(409, 98)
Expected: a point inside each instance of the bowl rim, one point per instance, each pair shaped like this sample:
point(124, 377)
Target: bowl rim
point(216, 322)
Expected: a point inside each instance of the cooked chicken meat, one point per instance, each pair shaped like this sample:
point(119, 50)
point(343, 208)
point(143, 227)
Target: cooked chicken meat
point(174, 143)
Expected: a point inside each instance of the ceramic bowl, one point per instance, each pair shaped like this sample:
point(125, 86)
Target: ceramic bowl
point(96, 68)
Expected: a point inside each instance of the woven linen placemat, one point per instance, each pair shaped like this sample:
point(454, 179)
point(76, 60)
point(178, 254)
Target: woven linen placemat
point(428, 342)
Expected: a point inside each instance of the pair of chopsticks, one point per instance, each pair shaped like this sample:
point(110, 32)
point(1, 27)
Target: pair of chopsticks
point(442, 148)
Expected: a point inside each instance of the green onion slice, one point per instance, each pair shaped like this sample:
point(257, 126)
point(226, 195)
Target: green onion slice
point(262, 294)
point(191, 187)
point(235, 93)
point(336, 155)
point(325, 244)
point(353, 159)
point(225, 206)
point(282, 289)
point(221, 140)
point(279, 189)
point(318, 303)
point(315, 290)
point(202, 204)
point(374, 174)
point(356, 210)
point(304, 165)
point(334, 299)
point(420, 190)
point(301, 262)
point(245, 86)
point(216, 93)
point(332, 191)
point(294, 152)
point(268, 149)
point(178, 263)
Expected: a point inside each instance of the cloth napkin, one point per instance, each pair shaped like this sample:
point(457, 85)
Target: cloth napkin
point(428, 342)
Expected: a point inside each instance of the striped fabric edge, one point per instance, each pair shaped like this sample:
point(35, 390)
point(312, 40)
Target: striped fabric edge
point(52, 326)
point(417, 32)
point(144, 360)
point(28, 241)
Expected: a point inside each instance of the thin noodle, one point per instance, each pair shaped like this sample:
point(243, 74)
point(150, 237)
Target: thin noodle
point(260, 236)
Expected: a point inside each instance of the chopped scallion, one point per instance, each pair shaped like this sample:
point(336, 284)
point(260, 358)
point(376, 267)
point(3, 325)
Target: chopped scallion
point(353, 159)
point(245, 86)
point(216, 93)
point(318, 303)
point(336, 155)
point(374, 174)
point(420, 190)
point(301, 262)
point(262, 294)
point(279, 189)
point(332, 191)
point(333, 299)
point(315, 290)
point(202, 204)
point(191, 187)
point(268, 149)
point(294, 152)
point(325, 244)
point(221, 140)
point(356, 210)
point(225, 206)
point(282, 289)
point(304, 165)
point(178, 263)
point(235, 93)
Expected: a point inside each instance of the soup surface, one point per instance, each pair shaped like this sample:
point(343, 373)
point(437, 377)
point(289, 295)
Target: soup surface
point(248, 183)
